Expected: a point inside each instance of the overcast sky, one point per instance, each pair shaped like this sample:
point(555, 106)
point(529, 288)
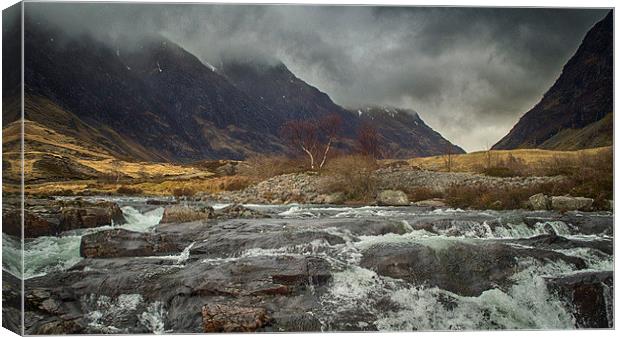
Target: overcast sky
point(469, 72)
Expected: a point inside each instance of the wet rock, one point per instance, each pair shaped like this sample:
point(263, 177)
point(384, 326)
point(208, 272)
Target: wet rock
point(234, 237)
point(124, 243)
point(392, 198)
point(257, 276)
point(589, 225)
point(101, 214)
point(180, 214)
point(435, 203)
point(11, 302)
point(590, 295)
point(158, 202)
point(564, 203)
point(337, 198)
point(315, 272)
point(52, 217)
point(227, 318)
point(462, 268)
point(237, 211)
point(553, 241)
point(540, 202)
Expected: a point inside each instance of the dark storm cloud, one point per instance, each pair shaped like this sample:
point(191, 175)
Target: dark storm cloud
point(469, 72)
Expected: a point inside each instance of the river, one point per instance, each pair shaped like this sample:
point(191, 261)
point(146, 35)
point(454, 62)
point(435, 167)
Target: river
point(379, 268)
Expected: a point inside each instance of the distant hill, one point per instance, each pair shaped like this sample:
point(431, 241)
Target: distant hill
point(155, 101)
point(404, 134)
point(577, 111)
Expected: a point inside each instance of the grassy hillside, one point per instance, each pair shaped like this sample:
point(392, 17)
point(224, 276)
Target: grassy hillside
point(57, 161)
point(481, 160)
point(597, 134)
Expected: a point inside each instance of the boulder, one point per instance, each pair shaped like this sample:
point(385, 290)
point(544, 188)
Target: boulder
point(337, 198)
point(160, 202)
point(392, 198)
point(463, 268)
point(124, 243)
point(435, 203)
point(237, 211)
point(540, 202)
point(52, 217)
point(100, 214)
point(230, 318)
point(180, 214)
point(565, 203)
point(591, 296)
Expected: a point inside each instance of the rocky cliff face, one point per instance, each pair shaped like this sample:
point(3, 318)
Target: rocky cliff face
point(576, 111)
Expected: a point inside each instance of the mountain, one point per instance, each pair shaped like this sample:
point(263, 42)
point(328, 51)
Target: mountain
point(151, 100)
point(404, 134)
point(577, 111)
point(154, 95)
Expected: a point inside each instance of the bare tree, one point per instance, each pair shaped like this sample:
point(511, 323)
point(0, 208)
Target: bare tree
point(368, 140)
point(329, 126)
point(314, 138)
point(302, 135)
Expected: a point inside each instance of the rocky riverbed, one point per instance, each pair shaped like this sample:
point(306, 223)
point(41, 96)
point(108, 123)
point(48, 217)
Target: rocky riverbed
point(215, 268)
point(311, 188)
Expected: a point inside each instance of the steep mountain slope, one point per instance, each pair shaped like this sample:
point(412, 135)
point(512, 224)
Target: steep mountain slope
point(154, 94)
point(581, 96)
point(288, 96)
point(152, 100)
point(404, 134)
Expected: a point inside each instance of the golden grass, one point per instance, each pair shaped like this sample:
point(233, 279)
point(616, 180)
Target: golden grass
point(165, 187)
point(473, 162)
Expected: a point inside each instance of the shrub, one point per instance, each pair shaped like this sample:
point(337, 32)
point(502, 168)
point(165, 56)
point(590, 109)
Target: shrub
point(126, 190)
point(234, 183)
point(352, 175)
point(259, 168)
point(183, 192)
point(421, 193)
point(499, 171)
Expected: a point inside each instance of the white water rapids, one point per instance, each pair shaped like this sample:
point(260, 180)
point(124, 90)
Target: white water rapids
point(47, 254)
point(526, 304)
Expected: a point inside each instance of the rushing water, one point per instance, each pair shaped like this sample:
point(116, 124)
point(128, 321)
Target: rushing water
point(525, 304)
point(47, 254)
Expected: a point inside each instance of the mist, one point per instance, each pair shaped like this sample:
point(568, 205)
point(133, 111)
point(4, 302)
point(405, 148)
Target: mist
point(470, 73)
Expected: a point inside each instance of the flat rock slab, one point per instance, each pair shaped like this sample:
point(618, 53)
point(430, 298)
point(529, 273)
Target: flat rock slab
point(125, 243)
point(463, 268)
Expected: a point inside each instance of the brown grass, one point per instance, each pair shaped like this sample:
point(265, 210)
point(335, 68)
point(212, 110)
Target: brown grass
point(126, 190)
point(421, 193)
point(353, 176)
point(260, 168)
point(475, 161)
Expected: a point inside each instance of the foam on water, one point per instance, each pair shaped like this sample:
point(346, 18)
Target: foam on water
point(11, 255)
point(153, 317)
point(46, 254)
point(103, 313)
point(179, 259)
point(141, 222)
point(594, 259)
point(526, 304)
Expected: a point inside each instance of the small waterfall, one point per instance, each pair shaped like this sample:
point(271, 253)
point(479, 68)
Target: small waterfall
point(46, 254)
